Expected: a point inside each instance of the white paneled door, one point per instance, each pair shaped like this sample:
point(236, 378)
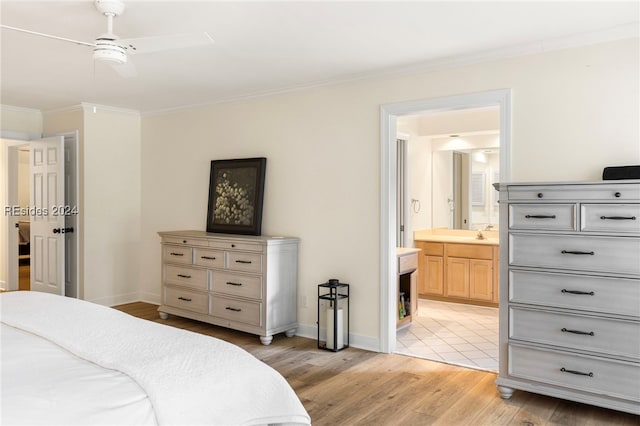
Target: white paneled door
point(47, 214)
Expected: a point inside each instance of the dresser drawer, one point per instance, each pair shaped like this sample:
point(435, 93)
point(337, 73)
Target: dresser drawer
point(237, 284)
point(602, 192)
point(407, 263)
point(247, 262)
point(176, 254)
point(560, 217)
point(185, 299)
point(236, 245)
point(209, 258)
point(185, 241)
point(601, 376)
point(576, 252)
point(236, 310)
point(609, 336)
point(610, 218)
point(180, 275)
point(587, 293)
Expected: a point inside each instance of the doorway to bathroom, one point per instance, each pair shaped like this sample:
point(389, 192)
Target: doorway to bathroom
point(473, 346)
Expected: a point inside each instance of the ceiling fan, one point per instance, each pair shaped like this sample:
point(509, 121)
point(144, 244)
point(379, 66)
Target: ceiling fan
point(111, 49)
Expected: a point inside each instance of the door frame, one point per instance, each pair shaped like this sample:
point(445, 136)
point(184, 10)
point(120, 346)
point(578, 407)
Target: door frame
point(389, 114)
point(13, 140)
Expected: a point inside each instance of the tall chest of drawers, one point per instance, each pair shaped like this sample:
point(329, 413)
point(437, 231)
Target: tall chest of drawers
point(247, 283)
point(570, 291)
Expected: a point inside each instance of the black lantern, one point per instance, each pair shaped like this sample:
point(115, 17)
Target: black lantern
point(333, 315)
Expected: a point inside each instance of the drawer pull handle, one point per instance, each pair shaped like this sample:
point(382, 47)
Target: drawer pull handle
point(229, 308)
point(540, 195)
point(586, 333)
point(232, 283)
point(248, 262)
point(184, 276)
point(176, 254)
point(590, 253)
point(207, 258)
point(186, 299)
point(618, 217)
point(579, 373)
point(586, 293)
point(540, 216)
point(617, 195)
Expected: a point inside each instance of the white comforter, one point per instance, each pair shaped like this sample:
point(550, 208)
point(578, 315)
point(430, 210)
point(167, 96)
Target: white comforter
point(143, 371)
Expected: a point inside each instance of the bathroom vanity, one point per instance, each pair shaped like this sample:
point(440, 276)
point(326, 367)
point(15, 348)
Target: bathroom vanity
point(408, 274)
point(458, 265)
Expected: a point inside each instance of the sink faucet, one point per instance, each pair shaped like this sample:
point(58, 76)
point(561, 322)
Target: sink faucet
point(480, 235)
point(488, 227)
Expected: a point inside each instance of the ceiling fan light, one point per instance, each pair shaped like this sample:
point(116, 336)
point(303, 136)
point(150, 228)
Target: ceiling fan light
point(109, 53)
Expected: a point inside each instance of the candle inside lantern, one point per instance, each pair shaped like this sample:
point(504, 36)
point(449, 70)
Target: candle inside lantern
point(338, 329)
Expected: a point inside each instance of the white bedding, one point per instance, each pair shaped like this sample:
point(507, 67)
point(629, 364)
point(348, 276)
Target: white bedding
point(66, 361)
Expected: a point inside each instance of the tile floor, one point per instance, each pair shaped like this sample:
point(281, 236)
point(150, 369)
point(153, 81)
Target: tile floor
point(454, 333)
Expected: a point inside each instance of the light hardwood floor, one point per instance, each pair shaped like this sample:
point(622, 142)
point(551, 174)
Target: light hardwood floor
point(357, 387)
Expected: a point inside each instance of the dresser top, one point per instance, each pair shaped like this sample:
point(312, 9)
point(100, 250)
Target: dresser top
point(501, 186)
point(264, 239)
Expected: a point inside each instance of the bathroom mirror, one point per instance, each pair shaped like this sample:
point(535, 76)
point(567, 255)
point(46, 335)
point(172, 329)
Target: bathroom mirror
point(462, 193)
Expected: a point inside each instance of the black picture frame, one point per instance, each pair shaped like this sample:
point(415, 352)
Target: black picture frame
point(236, 193)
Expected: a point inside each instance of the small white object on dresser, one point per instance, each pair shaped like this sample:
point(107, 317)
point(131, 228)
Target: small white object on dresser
point(246, 283)
point(570, 291)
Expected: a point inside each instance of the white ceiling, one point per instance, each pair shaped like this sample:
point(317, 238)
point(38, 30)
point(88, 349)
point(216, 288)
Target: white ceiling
point(265, 47)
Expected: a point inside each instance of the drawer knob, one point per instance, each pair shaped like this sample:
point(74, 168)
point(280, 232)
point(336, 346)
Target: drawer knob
point(579, 373)
point(586, 293)
point(184, 241)
point(233, 245)
point(540, 195)
point(585, 333)
point(590, 253)
point(617, 195)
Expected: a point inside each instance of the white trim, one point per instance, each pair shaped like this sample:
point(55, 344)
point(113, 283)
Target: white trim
point(93, 108)
point(355, 340)
point(388, 131)
point(20, 109)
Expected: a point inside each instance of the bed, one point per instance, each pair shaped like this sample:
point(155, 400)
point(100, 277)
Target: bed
point(72, 362)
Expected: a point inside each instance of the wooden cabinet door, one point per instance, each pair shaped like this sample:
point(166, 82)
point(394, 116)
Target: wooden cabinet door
point(457, 277)
point(432, 280)
point(481, 279)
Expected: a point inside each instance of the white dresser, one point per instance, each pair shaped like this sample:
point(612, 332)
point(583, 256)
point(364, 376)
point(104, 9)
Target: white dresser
point(247, 283)
point(570, 291)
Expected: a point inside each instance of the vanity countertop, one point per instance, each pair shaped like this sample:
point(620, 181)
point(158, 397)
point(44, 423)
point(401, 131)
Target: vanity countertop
point(405, 251)
point(459, 236)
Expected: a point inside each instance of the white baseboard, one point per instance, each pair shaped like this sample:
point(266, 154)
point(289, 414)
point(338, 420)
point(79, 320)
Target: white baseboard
point(355, 340)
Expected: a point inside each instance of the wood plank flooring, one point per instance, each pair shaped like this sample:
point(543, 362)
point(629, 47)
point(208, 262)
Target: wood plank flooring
point(357, 387)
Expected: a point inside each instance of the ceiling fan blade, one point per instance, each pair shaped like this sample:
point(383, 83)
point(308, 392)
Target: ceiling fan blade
point(159, 43)
point(22, 30)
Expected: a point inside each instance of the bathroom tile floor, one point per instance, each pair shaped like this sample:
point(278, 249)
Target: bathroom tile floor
point(465, 335)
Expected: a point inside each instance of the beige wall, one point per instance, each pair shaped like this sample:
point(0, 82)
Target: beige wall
point(574, 112)
point(109, 199)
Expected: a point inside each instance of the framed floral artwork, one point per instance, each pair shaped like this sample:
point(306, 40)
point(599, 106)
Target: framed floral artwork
point(236, 192)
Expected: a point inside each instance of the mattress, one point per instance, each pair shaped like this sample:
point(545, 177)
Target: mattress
point(67, 361)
